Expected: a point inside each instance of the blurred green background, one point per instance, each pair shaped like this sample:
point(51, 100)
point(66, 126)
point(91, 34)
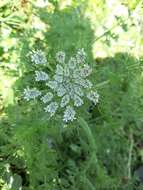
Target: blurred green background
point(111, 32)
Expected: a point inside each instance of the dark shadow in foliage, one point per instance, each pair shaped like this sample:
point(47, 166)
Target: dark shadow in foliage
point(68, 31)
point(116, 123)
point(120, 115)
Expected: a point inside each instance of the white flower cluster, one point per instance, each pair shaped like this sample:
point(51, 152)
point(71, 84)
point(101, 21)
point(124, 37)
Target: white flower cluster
point(31, 93)
point(41, 76)
point(67, 88)
point(38, 57)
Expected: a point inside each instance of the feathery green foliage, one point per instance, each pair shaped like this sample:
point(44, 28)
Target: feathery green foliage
point(100, 150)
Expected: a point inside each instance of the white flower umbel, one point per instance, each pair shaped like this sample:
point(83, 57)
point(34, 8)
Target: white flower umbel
point(93, 96)
point(65, 100)
point(41, 76)
point(72, 63)
point(85, 71)
point(47, 98)
point(69, 114)
point(38, 57)
point(68, 88)
point(52, 108)
point(60, 57)
point(31, 93)
point(77, 101)
point(81, 56)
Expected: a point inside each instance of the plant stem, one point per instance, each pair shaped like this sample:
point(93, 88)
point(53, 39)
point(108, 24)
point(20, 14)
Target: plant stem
point(130, 155)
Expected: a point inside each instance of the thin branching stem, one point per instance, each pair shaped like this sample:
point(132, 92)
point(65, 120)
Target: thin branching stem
point(130, 155)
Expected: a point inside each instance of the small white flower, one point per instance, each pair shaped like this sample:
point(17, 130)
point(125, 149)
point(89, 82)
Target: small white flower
point(31, 93)
point(51, 108)
point(47, 98)
point(38, 57)
point(58, 78)
point(76, 73)
point(60, 57)
point(80, 81)
point(72, 63)
point(61, 90)
point(66, 71)
point(93, 96)
point(59, 69)
point(85, 71)
point(69, 89)
point(87, 84)
point(78, 90)
point(41, 76)
point(77, 101)
point(69, 114)
point(65, 100)
point(52, 84)
point(80, 56)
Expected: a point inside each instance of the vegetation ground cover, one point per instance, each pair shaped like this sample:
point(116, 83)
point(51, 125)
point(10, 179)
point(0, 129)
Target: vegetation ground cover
point(103, 148)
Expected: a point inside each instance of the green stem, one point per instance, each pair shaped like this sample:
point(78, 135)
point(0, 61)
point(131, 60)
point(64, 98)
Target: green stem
point(102, 84)
point(130, 155)
point(92, 145)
